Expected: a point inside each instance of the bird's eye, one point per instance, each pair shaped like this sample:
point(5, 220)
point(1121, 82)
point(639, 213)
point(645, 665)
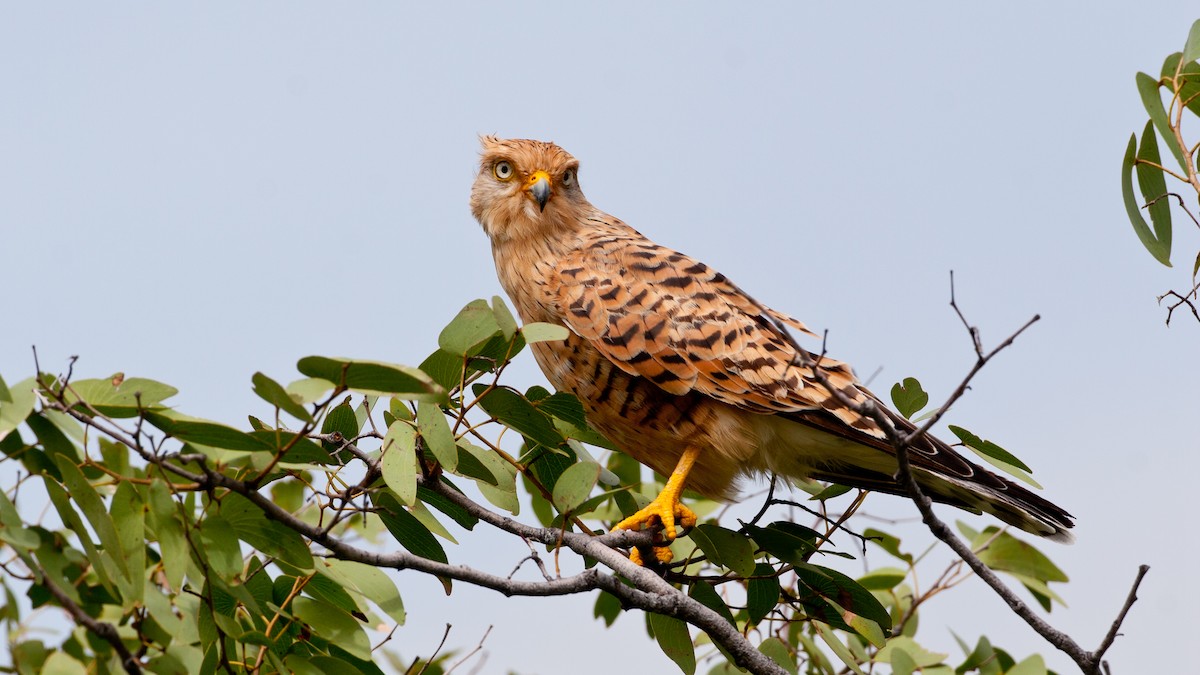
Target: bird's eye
point(503, 170)
point(568, 178)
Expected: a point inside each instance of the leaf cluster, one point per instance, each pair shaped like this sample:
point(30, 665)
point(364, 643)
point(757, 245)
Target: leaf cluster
point(181, 544)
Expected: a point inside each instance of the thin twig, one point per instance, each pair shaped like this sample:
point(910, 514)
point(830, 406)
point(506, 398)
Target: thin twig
point(471, 653)
point(435, 652)
point(1116, 626)
point(101, 629)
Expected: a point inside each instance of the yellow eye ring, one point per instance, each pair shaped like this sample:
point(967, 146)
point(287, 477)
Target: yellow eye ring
point(503, 170)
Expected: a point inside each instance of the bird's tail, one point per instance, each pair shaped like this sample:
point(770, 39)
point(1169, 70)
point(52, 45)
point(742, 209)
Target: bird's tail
point(943, 474)
point(1009, 502)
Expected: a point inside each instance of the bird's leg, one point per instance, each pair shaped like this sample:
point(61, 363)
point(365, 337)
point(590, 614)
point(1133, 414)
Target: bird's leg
point(665, 509)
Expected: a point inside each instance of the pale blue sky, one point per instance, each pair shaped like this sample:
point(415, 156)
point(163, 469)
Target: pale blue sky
point(193, 193)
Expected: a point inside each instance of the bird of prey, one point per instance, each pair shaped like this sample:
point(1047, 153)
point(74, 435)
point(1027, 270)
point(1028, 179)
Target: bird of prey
point(684, 371)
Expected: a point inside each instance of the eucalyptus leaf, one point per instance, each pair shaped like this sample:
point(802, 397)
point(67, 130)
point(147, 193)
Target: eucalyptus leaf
point(1191, 48)
point(14, 411)
point(435, 431)
point(272, 392)
point(574, 486)
point(1148, 89)
point(474, 325)
point(1153, 185)
point(515, 412)
point(504, 317)
point(399, 461)
point(373, 377)
point(1156, 249)
point(333, 624)
point(118, 396)
point(544, 332)
point(762, 592)
point(673, 637)
point(725, 548)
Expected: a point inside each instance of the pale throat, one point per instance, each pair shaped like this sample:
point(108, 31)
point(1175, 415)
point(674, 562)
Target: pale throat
point(524, 265)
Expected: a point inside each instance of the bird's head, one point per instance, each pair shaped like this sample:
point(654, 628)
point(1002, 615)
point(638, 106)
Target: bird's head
point(525, 189)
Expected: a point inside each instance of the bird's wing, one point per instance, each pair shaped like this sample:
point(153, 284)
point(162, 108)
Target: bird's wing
point(664, 316)
point(659, 314)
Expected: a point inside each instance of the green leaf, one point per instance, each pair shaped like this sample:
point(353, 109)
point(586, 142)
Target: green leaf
point(474, 325)
point(846, 592)
point(982, 658)
point(778, 651)
point(407, 530)
point(169, 530)
point(128, 513)
point(725, 548)
point(1008, 554)
point(544, 332)
point(789, 542)
point(399, 461)
point(444, 368)
point(995, 455)
point(457, 513)
point(902, 663)
point(435, 431)
point(272, 392)
point(923, 658)
point(342, 420)
point(887, 542)
point(300, 450)
point(574, 486)
point(271, 537)
point(831, 491)
point(608, 607)
point(430, 521)
point(1153, 184)
point(909, 397)
point(86, 497)
point(504, 318)
point(1191, 48)
point(205, 433)
point(827, 636)
point(369, 582)
point(1147, 88)
point(5, 394)
point(12, 529)
point(882, 578)
point(333, 624)
point(13, 412)
point(309, 389)
point(1156, 249)
point(761, 593)
point(672, 636)
point(704, 593)
point(515, 412)
point(502, 489)
point(373, 377)
point(220, 547)
point(117, 396)
point(1188, 81)
point(469, 465)
point(1036, 665)
point(564, 406)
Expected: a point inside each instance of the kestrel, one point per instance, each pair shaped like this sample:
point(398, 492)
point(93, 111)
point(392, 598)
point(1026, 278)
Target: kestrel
point(683, 370)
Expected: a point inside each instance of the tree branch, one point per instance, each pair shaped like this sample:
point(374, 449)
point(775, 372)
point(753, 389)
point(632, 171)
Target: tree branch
point(1089, 662)
point(103, 630)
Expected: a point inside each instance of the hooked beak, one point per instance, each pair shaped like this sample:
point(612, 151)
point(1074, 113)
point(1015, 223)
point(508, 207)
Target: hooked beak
point(538, 187)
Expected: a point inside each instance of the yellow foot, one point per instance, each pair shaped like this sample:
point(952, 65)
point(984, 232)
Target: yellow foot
point(662, 554)
point(665, 509)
